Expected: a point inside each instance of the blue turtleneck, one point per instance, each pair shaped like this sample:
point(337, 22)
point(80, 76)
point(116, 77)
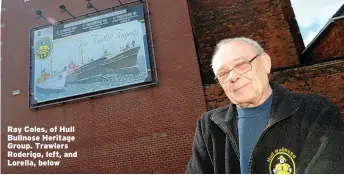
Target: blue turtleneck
point(251, 124)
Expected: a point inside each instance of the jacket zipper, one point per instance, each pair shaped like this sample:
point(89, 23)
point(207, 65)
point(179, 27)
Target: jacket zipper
point(231, 139)
point(235, 147)
point(261, 137)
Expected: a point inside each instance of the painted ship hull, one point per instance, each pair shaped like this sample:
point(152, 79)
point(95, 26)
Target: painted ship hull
point(125, 59)
point(86, 71)
point(94, 70)
point(55, 82)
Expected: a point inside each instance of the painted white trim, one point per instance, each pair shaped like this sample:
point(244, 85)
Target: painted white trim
point(338, 17)
point(321, 31)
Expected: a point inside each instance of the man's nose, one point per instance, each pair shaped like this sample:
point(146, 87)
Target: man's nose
point(233, 76)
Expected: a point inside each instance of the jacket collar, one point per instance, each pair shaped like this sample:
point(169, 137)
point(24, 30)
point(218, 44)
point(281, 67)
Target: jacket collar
point(283, 106)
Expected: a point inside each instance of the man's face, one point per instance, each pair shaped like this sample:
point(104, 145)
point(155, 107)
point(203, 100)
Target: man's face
point(249, 87)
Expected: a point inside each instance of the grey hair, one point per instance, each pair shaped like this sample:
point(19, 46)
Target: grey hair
point(254, 44)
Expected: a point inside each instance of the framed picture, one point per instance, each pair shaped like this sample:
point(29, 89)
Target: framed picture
point(91, 55)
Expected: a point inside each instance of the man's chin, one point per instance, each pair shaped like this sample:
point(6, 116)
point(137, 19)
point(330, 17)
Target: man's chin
point(242, 99)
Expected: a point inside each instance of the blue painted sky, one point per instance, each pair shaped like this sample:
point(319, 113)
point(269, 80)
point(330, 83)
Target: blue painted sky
point(312, 15)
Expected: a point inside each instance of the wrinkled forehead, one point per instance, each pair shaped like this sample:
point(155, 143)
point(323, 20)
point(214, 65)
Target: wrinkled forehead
point(232, 53)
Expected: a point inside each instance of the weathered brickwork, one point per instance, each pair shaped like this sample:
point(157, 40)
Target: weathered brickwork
point(271, 23)
point(330, 45)
point(326, 79)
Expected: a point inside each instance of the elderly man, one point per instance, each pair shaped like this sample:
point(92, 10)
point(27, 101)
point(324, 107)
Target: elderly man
point(266, 129)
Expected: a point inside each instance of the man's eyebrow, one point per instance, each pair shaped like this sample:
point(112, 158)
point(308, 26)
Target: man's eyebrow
point(219, 71)
point(239, 58)
point(235, 61)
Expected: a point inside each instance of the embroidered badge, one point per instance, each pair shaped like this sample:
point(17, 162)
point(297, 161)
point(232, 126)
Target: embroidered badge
point(281, 161)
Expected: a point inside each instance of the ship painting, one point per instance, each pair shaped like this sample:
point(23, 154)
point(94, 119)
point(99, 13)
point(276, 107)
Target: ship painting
point(108, 63)
point(126, 59)
point(52, 81)
point(89, 72)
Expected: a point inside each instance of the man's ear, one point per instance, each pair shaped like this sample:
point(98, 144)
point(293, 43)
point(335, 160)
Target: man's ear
point(267, 63)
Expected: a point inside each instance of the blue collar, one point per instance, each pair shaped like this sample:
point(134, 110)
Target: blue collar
point(255, 111)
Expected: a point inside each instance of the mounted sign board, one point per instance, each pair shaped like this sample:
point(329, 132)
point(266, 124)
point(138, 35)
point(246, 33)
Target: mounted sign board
point(90, 56)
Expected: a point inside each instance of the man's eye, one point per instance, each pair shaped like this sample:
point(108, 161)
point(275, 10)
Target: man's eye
point(223, 74)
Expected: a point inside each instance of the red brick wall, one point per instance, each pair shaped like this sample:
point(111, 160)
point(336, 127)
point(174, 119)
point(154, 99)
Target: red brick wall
point(290, 18)
point(326, 79)
point(271, 23)
point(331, 43)
point(144, 131)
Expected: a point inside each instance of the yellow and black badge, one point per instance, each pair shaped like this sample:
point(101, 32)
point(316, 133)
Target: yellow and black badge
point(282, 161)
point(43, 48)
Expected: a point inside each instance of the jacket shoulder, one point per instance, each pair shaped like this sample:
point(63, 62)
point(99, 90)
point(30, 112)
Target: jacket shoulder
point(206, 117)
point(312, 100)
point(318, 108)
point(206, 122)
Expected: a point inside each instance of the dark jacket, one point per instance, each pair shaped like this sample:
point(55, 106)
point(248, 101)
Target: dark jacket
point(305, 134)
